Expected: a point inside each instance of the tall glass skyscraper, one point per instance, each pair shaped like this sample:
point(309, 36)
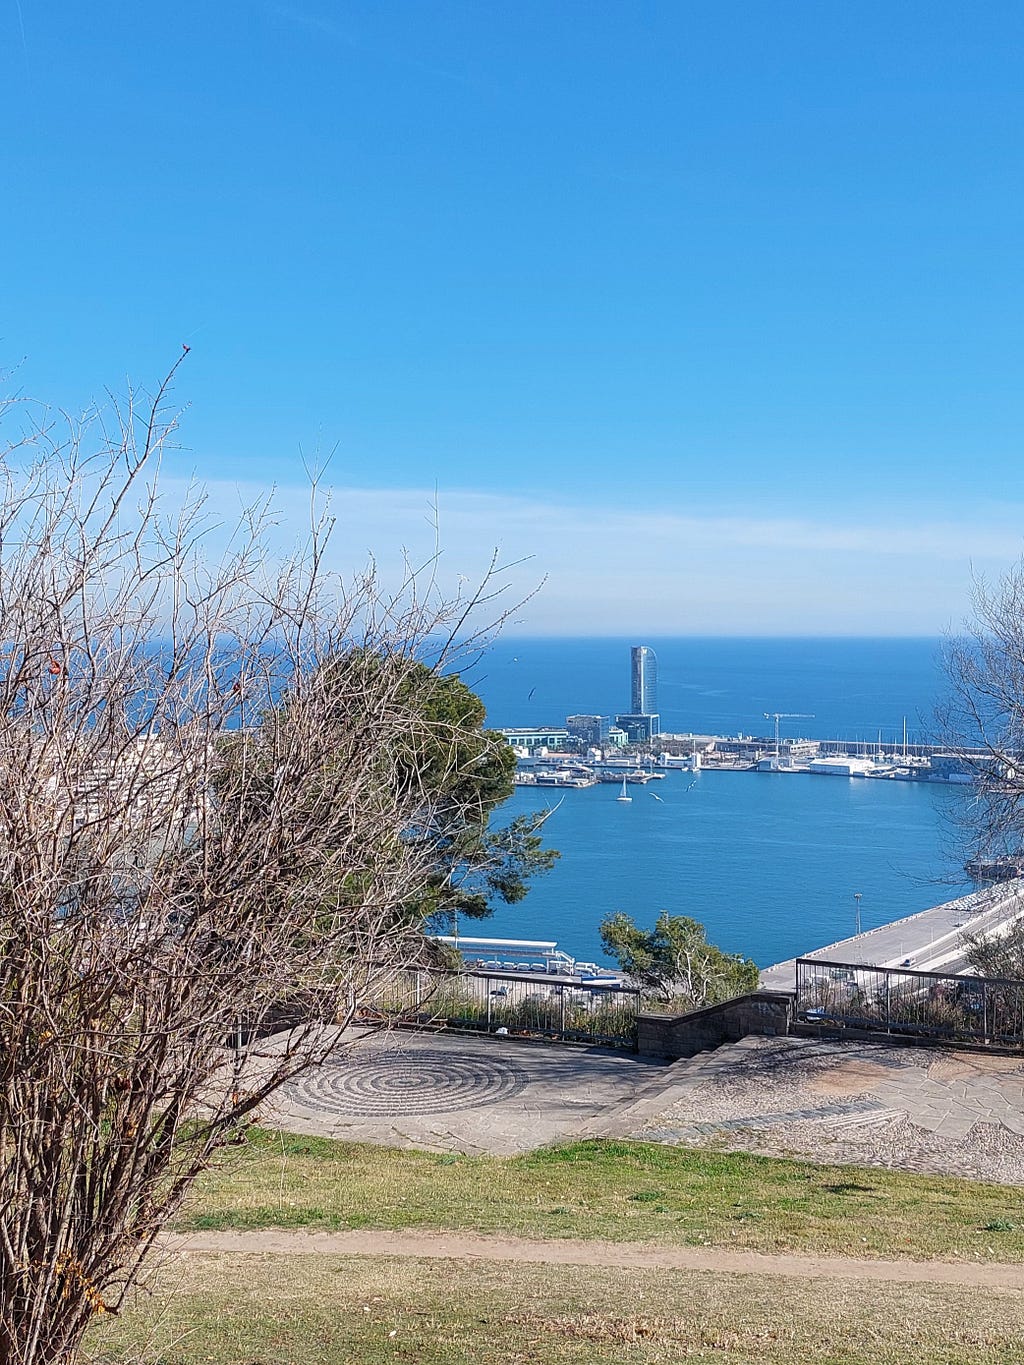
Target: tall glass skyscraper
point(644, 673)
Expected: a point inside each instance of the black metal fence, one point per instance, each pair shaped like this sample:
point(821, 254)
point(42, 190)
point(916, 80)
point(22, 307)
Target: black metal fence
point(901, 1001)
point(497, 1002)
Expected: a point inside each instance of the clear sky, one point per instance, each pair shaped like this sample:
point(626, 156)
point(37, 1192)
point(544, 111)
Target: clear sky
point(715, 309)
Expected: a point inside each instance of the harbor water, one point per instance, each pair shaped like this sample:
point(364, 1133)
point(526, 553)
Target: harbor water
point(770, 863)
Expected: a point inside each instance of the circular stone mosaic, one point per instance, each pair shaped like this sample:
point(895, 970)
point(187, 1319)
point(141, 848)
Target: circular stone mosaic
point(393, 1084)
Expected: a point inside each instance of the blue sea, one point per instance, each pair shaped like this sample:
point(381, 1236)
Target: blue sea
point(769, 863)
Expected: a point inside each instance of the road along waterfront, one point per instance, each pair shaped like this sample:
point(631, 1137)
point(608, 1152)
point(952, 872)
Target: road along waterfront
point(930, 941)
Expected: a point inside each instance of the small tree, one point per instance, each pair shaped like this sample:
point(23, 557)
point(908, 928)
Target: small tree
point(204, 828)
point(673, 962)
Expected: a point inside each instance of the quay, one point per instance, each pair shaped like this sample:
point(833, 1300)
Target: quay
point(931, 940)
point(548, 757)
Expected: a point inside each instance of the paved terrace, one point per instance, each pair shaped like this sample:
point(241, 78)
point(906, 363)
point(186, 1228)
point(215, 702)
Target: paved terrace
point(456, 1092)
point(913, 1108)
point(922, 1109)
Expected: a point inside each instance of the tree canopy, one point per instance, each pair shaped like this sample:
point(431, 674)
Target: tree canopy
point(997, 955)
point(455, 773)
point(981, 719)
point(674, 962)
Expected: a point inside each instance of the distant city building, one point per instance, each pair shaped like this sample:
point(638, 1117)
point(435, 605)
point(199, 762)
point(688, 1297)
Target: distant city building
point(641, 727)
point(531, 738)
point(742, 746)
point(644, 677)
point(617, 738)
point(591, 729)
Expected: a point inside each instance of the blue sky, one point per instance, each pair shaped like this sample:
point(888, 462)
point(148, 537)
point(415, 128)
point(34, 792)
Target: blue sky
point(713, 309)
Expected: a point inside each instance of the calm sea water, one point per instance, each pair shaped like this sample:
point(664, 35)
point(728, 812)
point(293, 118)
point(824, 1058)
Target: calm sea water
point(769, 863)
point(850, 688)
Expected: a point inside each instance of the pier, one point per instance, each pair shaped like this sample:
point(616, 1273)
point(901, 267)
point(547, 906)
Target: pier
point(931, 940)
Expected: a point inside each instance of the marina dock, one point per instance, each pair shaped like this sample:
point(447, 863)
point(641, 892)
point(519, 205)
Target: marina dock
point(931, 940)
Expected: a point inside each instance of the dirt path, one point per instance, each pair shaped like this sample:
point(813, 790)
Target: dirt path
point(470, 1246)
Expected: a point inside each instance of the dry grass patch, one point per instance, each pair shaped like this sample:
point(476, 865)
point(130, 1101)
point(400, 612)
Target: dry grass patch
point(267, 1310)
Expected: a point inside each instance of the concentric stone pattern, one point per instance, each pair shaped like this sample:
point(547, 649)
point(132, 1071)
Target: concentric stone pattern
point(396, 1083)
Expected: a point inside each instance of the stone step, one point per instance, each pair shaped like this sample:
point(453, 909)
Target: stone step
point(688, 1074)
point(656, 1095)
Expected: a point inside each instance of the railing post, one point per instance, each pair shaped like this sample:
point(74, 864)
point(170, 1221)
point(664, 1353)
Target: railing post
point(888, 1009)
point(487, 988)
point(561, 1009)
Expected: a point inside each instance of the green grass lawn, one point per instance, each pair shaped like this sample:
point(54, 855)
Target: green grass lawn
point(619, 1191)
point(328, 1310)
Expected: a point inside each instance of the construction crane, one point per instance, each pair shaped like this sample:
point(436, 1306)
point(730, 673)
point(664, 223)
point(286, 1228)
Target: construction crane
point(785, 715)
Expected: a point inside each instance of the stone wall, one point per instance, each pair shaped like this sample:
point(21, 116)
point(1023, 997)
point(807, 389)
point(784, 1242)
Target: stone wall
point(684, 1035)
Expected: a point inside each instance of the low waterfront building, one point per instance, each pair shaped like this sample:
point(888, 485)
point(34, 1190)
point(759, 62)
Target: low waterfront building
point(844, 767)
point(950, 768)
point(745, 747)
point(532, 738)
point(799, 749)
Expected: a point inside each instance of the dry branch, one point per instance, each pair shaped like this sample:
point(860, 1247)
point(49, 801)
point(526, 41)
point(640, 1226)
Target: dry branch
point(203, 830)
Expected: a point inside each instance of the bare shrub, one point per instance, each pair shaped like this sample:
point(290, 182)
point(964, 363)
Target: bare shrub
point(982, 718)
point(205, 833)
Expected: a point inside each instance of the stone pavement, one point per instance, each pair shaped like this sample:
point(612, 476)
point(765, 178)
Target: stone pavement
point(858, 1103)
point(938, 1110)
point(453, 1092)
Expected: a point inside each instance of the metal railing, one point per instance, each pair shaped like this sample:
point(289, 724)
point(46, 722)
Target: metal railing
point(494, 1001)
point(897, 1000)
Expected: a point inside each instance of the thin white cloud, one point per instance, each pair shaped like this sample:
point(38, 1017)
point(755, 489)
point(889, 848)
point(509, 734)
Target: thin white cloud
point(612, 570)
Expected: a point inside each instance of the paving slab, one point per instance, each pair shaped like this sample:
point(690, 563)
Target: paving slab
point(926, 1109)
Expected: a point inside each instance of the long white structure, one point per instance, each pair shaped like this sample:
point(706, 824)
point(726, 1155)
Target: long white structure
point(930, 941)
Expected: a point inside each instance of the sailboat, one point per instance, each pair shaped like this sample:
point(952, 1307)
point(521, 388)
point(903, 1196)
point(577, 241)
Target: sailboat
point(623, 795)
